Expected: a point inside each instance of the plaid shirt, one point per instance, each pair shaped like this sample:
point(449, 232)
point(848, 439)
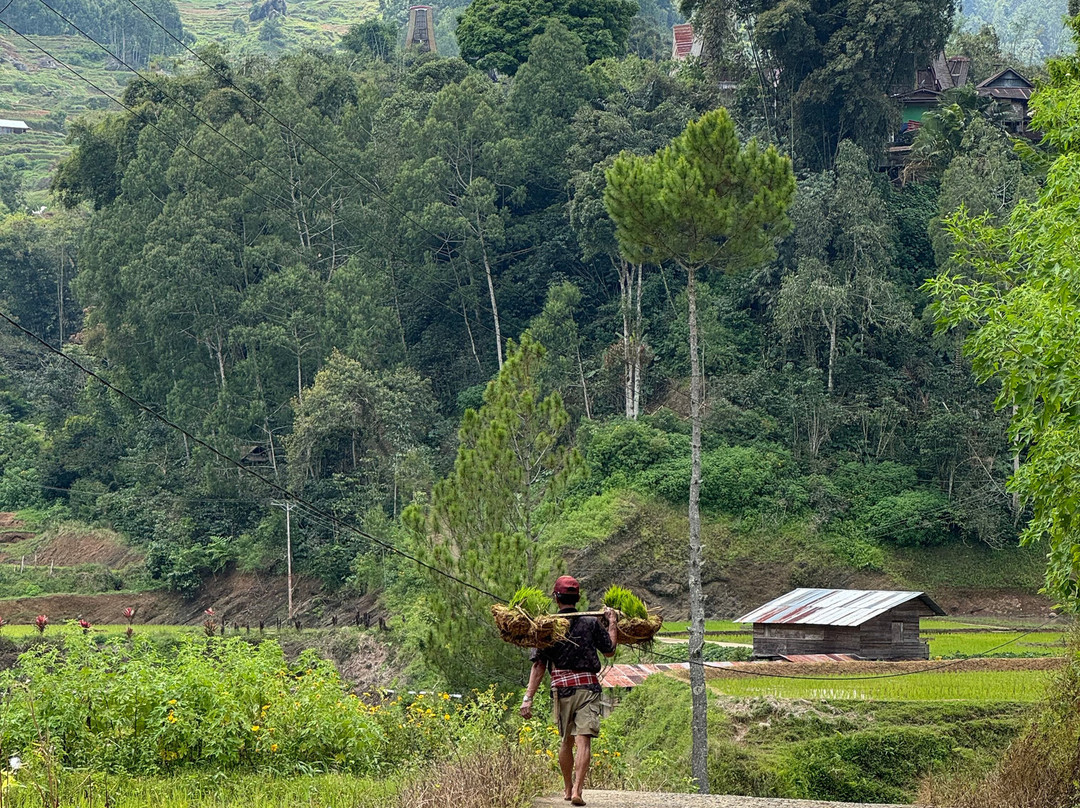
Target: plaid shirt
point(568, 680)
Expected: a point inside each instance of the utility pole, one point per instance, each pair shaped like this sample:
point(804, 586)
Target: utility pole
point(287, 507)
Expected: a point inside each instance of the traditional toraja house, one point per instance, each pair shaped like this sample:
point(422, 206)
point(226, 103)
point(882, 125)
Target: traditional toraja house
point(860, 623)
point(945, 73)
point(684, 42)
point(421, 33)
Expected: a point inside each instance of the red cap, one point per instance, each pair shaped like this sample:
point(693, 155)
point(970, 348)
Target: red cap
point(567, 585)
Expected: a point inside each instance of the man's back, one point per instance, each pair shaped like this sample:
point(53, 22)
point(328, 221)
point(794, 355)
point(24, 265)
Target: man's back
point(580, 650)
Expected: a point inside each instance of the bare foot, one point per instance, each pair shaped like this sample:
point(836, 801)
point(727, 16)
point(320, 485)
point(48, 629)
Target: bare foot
point(576, 800)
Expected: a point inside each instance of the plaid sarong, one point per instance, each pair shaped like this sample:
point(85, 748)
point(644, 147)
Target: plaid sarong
point(566, 680)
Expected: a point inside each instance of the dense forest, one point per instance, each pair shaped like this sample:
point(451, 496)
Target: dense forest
point(318, 263)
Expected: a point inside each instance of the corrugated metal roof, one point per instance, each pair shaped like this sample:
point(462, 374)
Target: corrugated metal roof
point(6, 124)
point(632, 675)
point(833, 607)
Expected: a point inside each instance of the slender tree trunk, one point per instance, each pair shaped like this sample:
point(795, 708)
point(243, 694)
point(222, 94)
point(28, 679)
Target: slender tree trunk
point(1016, 469)
point(832, 350)
point(299, 379)
point(468, 330)
point(584, 388)
point(491, 294)
point(699, 700)
point(397, 310)
point(639, 347)
point(626, 292)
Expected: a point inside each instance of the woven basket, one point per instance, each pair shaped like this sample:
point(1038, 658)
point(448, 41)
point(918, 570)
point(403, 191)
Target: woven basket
point(518, 628)
point(635, 631)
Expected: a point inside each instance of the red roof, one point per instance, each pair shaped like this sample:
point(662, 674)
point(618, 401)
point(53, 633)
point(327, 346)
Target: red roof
point(684, 40)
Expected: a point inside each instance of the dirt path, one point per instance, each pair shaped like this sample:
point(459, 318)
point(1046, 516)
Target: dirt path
point(644, 799)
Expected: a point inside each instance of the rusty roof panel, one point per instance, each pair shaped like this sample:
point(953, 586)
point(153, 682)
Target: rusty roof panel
point(809, 658)
point(833, 607)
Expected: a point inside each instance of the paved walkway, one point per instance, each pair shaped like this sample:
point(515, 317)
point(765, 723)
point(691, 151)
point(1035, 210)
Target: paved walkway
point(646, 799)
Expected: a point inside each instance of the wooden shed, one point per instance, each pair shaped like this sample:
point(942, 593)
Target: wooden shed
point(870, 624)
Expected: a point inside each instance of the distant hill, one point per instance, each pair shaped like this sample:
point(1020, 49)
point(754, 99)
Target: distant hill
point(1030, 29)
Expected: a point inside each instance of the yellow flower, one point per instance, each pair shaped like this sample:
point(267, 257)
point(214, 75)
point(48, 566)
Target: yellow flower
point(446, 716)
point(445, 697)
point(172, 701)
point(172, 719)
point(273, 747)
point(256, 728)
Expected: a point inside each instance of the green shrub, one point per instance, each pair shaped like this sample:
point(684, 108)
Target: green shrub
point(133, 707)
point(734, 479)
point(868, 766)
point(914, 518)
point(626, 448)
point(862, 485)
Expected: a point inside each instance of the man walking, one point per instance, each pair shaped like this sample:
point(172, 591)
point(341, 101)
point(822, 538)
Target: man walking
point(575, 687)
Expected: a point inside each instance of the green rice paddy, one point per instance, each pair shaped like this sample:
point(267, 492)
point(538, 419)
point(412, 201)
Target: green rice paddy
point(1017, 686)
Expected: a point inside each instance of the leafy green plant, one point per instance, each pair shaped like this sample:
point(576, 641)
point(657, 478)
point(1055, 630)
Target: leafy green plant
point(625, 601)
point(136, 707)
point(532, 601)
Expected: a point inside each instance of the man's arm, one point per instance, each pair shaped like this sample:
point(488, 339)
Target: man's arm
point(536, 676)
point(612, 629)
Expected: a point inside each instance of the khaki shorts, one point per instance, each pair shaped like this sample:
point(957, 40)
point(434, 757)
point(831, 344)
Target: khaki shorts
point(578, 714)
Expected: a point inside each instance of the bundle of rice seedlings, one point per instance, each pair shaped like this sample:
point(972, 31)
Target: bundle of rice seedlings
point(525, 622)
point(636, 624)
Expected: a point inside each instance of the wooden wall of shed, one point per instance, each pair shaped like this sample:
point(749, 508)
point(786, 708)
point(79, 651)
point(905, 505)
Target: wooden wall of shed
point(877, 640)
point(778, 639)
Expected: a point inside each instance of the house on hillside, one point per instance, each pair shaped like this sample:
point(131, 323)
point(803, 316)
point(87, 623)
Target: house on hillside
point(1012, 92)
point(684, 42)
point(421, 33)
point(943, 74)
point(10, 127)
point(870, 624)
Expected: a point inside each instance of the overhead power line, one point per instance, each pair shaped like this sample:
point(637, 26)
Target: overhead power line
point(280, 490)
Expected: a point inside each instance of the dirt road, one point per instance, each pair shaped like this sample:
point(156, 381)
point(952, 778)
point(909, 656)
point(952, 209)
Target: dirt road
point(644, 799)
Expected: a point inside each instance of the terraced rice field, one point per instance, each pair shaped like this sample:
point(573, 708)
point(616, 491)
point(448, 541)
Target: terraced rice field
point(1016, 680)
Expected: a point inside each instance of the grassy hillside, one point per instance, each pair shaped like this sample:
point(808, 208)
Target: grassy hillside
point(624, 537)
point(36, 89)
point(311, 23)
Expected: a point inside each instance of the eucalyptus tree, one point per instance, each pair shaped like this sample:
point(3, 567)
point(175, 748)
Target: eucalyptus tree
point(705, 200)
point(465, 168)
point(841, 265)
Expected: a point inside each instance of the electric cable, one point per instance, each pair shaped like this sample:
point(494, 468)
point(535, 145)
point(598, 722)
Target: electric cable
point(280, 490)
